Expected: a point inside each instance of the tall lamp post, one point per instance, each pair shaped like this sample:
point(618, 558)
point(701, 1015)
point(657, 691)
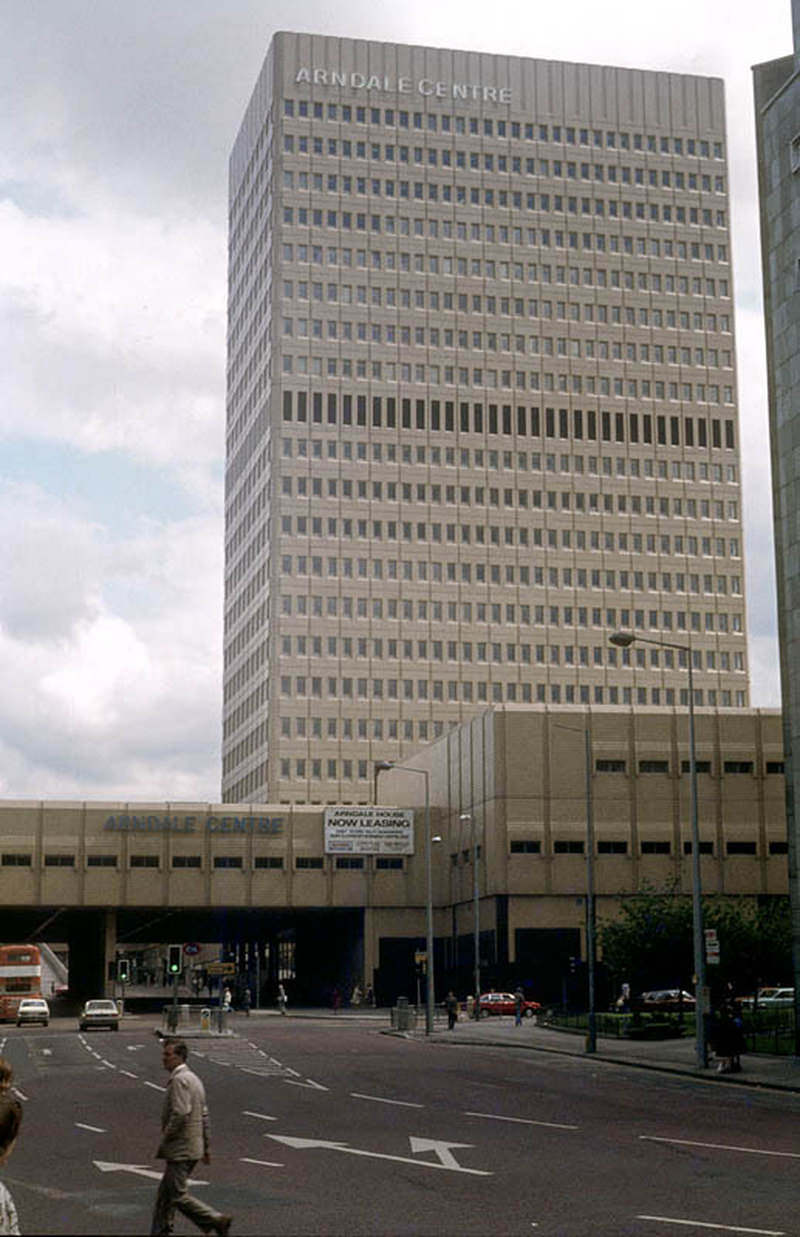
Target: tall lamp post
point(476, 908)
point(623, 640)
point(591, 932)
point(380, 767)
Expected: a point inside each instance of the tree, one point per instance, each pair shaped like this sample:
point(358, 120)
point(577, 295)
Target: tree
point(650, 944)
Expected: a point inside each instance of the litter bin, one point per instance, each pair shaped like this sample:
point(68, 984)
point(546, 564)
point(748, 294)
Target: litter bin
point(205, 1019)
point(402, 1018)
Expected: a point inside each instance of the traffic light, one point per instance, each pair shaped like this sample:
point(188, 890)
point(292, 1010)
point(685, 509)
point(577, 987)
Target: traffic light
point(174, 962)
point(122, 970)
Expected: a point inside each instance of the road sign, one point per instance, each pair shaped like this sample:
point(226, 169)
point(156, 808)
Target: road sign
point(420, 957)
point(191, 948)
point(221, 968)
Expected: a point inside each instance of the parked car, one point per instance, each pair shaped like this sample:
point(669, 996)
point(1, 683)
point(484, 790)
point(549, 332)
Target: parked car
point(505, 1003)
point(99, 1013)
point(667, 1000)
point(776, 998)
point(33, 1009)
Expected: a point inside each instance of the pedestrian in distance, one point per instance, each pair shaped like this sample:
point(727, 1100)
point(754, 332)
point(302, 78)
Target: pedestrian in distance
point(282, 1000)
point(10, 1121)
point(451, 1005)
point(226, 999)
point(519, 1001)
point(370, 996)
point(184, 1141)
point(355, 999)
point(247, 1001)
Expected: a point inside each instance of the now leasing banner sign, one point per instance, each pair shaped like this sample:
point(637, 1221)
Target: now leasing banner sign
point(369, 831)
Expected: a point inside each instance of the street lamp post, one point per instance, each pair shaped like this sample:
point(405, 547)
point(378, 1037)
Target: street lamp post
point(476, 911)
point(380, 767)
point(591, 934)
point(623, 640)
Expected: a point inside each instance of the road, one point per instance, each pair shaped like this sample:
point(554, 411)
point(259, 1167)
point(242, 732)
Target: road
point(327, 1127)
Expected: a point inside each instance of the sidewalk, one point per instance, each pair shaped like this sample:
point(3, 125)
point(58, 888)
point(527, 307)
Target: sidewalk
point(671, 1056)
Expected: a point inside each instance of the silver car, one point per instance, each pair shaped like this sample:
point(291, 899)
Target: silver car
point(33, 1009)
point(99, 1013)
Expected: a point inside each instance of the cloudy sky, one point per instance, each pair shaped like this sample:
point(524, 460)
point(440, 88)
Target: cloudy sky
point(116, 120)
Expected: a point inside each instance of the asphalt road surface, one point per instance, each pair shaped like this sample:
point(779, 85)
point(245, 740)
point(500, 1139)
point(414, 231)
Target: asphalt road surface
point(324, 1127)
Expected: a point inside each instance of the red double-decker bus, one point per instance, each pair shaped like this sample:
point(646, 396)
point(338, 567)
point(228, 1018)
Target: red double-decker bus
point(20, 976)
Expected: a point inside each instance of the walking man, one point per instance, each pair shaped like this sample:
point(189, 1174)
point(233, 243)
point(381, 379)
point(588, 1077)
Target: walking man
point(519, 1001)
point(184, 1141)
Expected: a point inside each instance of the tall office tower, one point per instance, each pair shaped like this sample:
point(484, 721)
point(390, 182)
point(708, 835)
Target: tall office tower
point(482, 404)
point(777, 98)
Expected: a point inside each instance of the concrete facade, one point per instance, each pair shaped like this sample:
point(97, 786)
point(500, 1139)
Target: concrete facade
point(250, 872)
point(777, 99)
point(481, 404)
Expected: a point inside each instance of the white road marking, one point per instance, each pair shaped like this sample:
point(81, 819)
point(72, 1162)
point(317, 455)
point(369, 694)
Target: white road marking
point(686, 1142)
point(19, 1094)
point(307, 1143)
point(493, 1116)
point(725, 1228)
point(139, 1169)
point(110, 1064)
point(137, 1047)
point(295, 1073)
point(309, 1082)
point(379, 1099)
point(438, 1147)
point(263, 1163)
point(94, 1129)
point(47, 1052)
point(262, 1116)
point(128, 1073)
point(154, 1085)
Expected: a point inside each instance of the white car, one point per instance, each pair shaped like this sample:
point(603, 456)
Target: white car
point(777, 998)
point(99, 1013)
point(33, 1009)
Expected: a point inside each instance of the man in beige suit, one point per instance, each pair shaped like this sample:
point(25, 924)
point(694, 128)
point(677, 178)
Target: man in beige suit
point(184, 1141)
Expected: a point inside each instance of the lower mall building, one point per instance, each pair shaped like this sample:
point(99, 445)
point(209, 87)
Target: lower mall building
point(507, 788)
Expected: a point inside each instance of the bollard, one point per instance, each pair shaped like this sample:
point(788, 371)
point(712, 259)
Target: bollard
point(205, 1019)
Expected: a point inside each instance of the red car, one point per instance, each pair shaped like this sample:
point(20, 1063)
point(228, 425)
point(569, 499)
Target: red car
point(505, 1003)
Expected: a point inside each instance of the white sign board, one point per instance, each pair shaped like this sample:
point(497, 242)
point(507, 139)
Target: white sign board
point(369, 831)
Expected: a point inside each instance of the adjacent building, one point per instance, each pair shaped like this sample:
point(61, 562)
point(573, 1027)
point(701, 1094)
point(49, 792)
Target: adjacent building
point(777, 98)
point(481, 404)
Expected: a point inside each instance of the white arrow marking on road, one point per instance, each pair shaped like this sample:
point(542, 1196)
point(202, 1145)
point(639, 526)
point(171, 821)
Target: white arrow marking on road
point(725, 1228)
point(296, 1082)
point(262, 1116)
point(442, 1149)
point(106, 1166)
point(303, 1144)
point(95, 1129)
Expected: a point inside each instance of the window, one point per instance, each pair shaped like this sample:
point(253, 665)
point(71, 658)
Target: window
point(353, 862)
point(526, 846)
point(703, 766)
point(609, 766)
point(740, 848)
point(144, 861)
point(16, 861)
point(268, 861)
point(568, 847)
point(612, 848)
point(59, 861)
point(386, 863)
point(656, 848)
point(795, 152)
point(186, 861)
point(227, 861)
point(774, 766)
point(654, 766)
point(738, 766)
point(101, 861)
point(779, 848)
point(308, 861)
point(706, 848)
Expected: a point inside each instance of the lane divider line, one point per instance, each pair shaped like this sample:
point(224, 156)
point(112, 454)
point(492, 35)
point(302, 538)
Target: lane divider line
point(687, 1142)
point(262, 1163)
point(93, 1129)
point(261, 1116)
point(155, 1087)
point(725, 1228)
point(379, 1099)
point(549, 1125)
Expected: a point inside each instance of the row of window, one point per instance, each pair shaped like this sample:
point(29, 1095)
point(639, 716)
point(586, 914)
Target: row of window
point(462, 195)
point(465, 457)
point(336, 366)
point(335, 329)
point(424, 611)
point(486, 161)
point(574, 846)
point(578, 424)
point(516, 130)
point(480, 651)
point(477, 303)
point(16, 859)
